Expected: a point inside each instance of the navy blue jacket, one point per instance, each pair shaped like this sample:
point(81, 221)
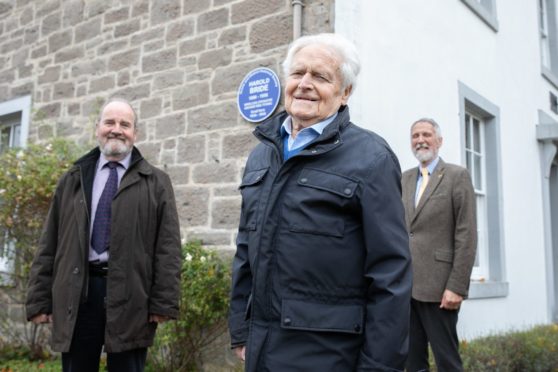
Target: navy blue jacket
point(321, 275)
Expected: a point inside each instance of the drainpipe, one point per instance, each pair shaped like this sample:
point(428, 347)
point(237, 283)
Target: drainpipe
point(297, 18)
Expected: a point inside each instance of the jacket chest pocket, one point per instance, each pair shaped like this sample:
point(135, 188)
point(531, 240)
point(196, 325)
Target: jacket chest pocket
point(251, 189)
point(321, 203)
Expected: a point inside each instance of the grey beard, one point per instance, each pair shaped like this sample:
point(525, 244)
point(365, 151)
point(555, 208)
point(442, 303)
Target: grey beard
point(114, 149)
point(424, 156)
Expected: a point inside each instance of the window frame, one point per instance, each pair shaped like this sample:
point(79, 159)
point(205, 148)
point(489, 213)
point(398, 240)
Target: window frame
point(13, 125)
point(23, 105)
point(486, 13)
point(481, 270)
point(548, 35)
point(547, 135)
point(470, 101)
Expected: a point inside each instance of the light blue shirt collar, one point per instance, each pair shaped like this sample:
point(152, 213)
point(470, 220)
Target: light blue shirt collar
point(431, 166)
point(306, 135)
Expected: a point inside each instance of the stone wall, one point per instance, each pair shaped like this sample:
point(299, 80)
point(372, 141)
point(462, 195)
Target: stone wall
point(180, 63)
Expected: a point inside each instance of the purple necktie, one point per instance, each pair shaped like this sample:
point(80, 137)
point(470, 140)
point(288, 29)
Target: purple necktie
point(100, 238)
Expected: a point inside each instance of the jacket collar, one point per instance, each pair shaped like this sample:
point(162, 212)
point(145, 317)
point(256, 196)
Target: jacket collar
point(90, 159)
point(84, 168)
point(270, 130)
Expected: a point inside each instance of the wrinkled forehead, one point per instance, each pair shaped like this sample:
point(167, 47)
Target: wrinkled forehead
point(315, 54)
point(422, 126)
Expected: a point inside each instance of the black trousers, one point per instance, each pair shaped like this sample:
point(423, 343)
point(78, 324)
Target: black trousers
point(430, 324)
point(89, 335)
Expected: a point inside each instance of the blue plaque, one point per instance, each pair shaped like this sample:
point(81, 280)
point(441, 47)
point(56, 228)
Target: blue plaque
point(258, 94)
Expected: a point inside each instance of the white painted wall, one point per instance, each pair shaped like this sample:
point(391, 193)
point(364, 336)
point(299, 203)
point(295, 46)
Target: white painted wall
point(413, 55)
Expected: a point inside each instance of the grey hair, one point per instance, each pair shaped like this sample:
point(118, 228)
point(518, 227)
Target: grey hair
point(345, 49)
point(432, 122)
point(121, 100)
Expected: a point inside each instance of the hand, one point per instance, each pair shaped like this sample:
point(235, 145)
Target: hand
point(451, 300)
point(240, 352)
point(155, 318)
point(42, 318)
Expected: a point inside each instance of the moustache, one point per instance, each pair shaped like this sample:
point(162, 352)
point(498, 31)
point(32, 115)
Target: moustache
point(421, 146)
point(115, 136)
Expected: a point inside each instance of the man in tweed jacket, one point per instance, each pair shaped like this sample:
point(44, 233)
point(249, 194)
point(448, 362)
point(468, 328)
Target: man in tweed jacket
point(440, 214)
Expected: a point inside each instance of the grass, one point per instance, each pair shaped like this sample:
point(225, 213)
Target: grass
point(22, 364)
point(534, 350)
point(30, 366)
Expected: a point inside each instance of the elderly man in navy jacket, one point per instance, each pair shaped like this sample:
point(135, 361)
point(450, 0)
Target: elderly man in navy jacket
point(321, 275)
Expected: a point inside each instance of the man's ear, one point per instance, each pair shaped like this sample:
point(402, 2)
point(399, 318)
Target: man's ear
point(346, 94)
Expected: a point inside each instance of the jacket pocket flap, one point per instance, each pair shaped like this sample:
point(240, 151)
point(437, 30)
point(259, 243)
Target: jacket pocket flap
point(253, 177)
point(443, 255)
point(310, 316)
point(322, 180)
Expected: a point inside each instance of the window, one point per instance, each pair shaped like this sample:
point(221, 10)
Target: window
point(480, 148)
point(14, 122)
point(485, 10)
point(476, 164)
point(548, 23)
point(14, 127)
point(10, 131)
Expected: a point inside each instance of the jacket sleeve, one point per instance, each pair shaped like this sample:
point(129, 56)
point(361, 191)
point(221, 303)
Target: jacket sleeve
point(39, 290)
point(167, 255)
point(465, 235)
point(387, 268)
point(240, 291)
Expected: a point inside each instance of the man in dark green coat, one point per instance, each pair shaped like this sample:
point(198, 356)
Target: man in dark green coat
point(107, 268)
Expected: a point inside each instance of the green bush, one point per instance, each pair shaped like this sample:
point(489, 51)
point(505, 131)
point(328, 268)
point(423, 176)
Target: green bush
point(27, 183)
point(204, 302)
point(534, 350)
point(15, 358)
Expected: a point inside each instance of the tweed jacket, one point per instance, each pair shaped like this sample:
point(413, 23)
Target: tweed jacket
point(442, 231)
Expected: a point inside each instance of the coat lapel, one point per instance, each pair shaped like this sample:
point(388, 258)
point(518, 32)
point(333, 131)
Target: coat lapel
point(409, 187)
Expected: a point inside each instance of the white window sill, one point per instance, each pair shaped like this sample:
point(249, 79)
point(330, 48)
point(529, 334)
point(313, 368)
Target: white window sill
point(484, 14)
point(550, 76)
point(488, 289)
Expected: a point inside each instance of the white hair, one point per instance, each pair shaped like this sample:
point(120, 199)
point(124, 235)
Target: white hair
point(345, 49)
point(430, 121)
